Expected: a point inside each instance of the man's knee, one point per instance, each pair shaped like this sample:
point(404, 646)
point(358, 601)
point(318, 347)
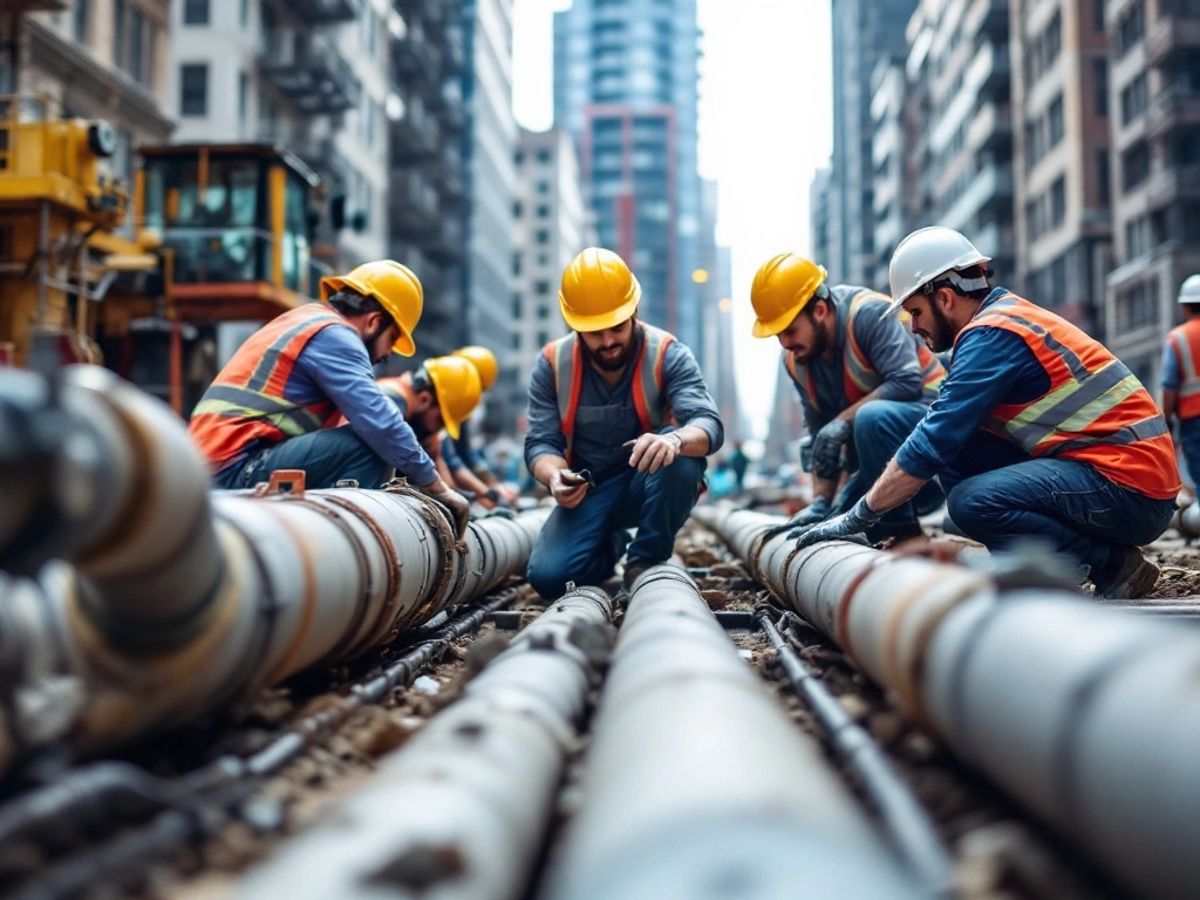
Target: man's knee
point(685, 471)
point(969, 505)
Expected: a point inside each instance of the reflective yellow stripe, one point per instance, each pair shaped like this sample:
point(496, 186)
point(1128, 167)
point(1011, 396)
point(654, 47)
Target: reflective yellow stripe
point(1102, 405)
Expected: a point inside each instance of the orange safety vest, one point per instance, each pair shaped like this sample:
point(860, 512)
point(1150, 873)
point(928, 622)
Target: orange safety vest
point(566, 360)
point(859, 376)
point(245, 406)
point(1095, 410)
point(1185, 341)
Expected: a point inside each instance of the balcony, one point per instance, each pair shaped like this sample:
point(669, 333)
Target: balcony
point(1176, 106)
point(326, 12)
point(987, 16)
point(429, 10)
point(414, 55)
point(415, 135)
point(414, 205)
point(990, 185)
point(1173, 183)
point(991, 126)
point(1170, 35)
point(989, 70)
point(320, 155)
point(451, 109)
point(446, 245)
point(307, 68)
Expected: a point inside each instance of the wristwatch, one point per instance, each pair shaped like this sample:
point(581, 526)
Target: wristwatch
point(678, 440)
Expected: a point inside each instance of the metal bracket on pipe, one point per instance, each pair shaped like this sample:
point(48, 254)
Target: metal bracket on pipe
point(283, 481)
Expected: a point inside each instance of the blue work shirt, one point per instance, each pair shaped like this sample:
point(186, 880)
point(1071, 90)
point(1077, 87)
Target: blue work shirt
point(334, 365)
point(607, 418)
point(885, 340)
point(463, 450)
point(990, 366)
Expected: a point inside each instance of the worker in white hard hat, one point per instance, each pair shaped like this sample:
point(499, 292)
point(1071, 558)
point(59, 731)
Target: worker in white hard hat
point(1181, 375)
point(1039, 431)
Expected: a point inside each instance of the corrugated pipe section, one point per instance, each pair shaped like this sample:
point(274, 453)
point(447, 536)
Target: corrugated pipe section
point(698, 784)
point(461, 811)
point(1090, 716)
point(176, 601)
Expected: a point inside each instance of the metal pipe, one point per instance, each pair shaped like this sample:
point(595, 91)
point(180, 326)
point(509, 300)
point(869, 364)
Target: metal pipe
point(1090, 716)
point(697, 783)
point(174, 603)
point(462, 809)
point(907, 824)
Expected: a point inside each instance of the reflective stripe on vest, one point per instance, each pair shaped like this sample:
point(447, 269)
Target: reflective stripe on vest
point(1185, 342)
point(860, 376)
point(566, 360)
point(245, 406)
point(1095, 410)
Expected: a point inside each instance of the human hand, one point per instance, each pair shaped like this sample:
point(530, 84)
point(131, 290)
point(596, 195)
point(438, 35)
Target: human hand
point(651, 452)
point(568, 488)
point(847, 526)
point(827, 448)
point(456, 503)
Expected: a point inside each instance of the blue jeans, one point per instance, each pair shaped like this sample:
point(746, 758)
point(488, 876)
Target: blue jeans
point(583, 544)
point(1189, 443)
point(327, 457)
point(997, 494)
point(880, 427)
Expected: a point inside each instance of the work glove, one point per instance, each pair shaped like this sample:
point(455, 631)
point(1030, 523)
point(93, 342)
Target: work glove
point(817, 511)
point(458, 506)
point(827, 448)
point(850, 525)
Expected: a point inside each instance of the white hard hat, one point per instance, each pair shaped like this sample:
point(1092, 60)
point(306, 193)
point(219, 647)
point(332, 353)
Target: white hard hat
point(928, 253)
point(1189, 291)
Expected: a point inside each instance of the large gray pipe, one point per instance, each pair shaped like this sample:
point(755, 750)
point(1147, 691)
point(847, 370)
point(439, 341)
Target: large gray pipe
point(1090, 716)
point(175, 604)
point(697, 783)
point(461, 811)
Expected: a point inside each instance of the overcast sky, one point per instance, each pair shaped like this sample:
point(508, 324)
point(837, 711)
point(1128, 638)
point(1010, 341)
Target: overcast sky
point(765, 121)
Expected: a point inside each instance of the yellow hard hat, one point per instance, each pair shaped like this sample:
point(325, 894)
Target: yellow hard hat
point(598, 291)
point(484, 361)
point(396, 288)
point(782, 287)
point(457, 387)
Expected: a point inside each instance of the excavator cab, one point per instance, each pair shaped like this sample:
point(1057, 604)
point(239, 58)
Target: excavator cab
point(236, 220)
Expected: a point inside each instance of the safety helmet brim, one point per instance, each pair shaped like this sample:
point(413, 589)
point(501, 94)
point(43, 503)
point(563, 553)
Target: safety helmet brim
point(331, 284)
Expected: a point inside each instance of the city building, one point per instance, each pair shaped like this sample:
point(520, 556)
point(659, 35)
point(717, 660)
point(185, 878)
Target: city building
point(1060, 104)
point(819, 196)
point(549, 227)
point(625, 88)
point(488, 149)
point(1154, 102)
point(96, 59)
point(889, 142)
point(863, 33)
point(961, 125)
point(714, 279)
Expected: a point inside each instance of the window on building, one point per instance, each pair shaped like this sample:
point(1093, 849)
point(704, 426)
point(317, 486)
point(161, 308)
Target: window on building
point(1098, 14)
point(1100, 77)
point(1052, 40)
point(1103, 178)
point(1135, 165)
point(543, 312)
point(1130, 28)
point(518, 158)
point(516, 307)
point(120, 26)
point(243, 95)
point(1137, 305)
point(543, 211)
point(516, 209)
point(543, 236)
point(516, 264)
point(542, 288)
point(193, 89)
point(79, 20)
point(1191, 223)
point(1137, 237)
point(543, 338)
point(1054, 119)
point(1058, 202)
point(543, 187)
point(516, 340)
point(244, 12)
point(543, 156)
point(1135, 97)
point(195, 12)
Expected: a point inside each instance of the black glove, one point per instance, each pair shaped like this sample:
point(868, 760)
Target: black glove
point(843, 527)
point(818, 511)
point(827, 448)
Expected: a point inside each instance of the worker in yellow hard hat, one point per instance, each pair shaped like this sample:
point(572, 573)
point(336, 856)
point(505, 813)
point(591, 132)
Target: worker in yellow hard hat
point(620, 423)
point(272, 404)
point(864, 380)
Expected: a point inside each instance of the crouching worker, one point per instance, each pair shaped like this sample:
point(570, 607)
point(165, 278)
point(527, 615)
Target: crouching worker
point(602, 401)
point(274, 404)
point(1039, 432)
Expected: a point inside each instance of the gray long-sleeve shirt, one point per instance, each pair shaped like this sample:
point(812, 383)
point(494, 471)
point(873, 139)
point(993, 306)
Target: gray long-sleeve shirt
point(606, 418)
point(887, 342)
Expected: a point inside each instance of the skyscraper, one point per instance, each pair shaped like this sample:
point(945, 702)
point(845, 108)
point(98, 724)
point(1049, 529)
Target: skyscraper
point(625, 87)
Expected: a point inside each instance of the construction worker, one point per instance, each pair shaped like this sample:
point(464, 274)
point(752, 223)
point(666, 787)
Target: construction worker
point(436, 399)
point(464, 460)
point(864, 380)
point(270, 406)
point(1039, 432)
point(1181, 375)
point(603, 403)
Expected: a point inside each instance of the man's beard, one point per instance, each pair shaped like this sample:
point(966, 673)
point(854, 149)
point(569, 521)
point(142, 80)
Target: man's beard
point(941, 336)
point(610, 363)
point(819, 347)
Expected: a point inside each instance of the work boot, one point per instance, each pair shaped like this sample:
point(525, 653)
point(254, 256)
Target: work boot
point(1135, 577)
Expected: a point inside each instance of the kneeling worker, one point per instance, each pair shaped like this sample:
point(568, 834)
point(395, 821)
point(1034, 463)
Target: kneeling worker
point(272, 405)
point(864, 380)
point(1039, 432)
point(601, 401)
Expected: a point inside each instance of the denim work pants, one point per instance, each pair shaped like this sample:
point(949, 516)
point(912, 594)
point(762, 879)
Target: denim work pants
point(1189, 445)
point(880, 427)
point(327, 457)
point(583, 544)
point(996, 493)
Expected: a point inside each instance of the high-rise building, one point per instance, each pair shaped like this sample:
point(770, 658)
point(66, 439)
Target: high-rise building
point(889, 198)
point(96, 59)
point(1154, 98)
point(625, 87)
point(489, 145)
point(863, 33)
point(960, 118)
point(819, 197)
point(1061, 107)
point(549, 227)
